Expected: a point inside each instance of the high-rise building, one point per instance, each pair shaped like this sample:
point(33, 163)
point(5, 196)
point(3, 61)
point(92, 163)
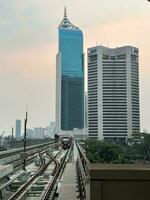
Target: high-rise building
point(113, 92)
point(18, 128)
point(30, 133)
point(52, 129)
point(69, 77)
point(39, 132)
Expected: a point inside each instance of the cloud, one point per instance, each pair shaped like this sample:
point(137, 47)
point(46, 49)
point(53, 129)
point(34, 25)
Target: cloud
point(27, 77)
point(36, 63)
point(24, 24)
point(28, 46)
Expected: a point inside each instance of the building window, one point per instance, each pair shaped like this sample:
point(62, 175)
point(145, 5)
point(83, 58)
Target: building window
point(121, 57)
point(93, 58)
point(106, 57)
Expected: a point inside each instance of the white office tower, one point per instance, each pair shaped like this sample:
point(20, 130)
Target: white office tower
point(113, 92)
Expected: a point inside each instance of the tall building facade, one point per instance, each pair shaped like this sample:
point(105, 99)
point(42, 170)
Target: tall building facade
point(113, 92)
point(52, 129)
point(39, 132)
point(18, 128)
point(69, 77)
point(30, 133)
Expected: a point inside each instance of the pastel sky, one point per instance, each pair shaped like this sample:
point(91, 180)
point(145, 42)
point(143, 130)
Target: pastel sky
point(28, 46)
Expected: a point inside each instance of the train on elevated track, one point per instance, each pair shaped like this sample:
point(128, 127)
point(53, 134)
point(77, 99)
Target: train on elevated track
point(66, 141)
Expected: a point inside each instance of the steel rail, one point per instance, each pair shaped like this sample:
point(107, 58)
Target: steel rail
point(41, 170)
point(18, 162)
point(16, 151)
point(56, 165)
point(50, 191)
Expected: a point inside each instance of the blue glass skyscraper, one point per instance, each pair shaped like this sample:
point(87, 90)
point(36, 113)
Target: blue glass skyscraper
point(70, 77)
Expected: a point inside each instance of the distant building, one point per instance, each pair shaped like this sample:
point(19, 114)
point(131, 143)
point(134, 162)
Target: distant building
point(76, 133)
point(113, 92)
point(39, 132)
point(18, 128)
point(52, 129)
point(29, 133)
point(69, 77)
point(47, 132)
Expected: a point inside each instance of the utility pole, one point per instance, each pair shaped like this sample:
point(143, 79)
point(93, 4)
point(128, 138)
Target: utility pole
point(24, 141)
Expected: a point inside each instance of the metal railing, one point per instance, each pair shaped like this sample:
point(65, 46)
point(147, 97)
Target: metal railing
point(83, 172)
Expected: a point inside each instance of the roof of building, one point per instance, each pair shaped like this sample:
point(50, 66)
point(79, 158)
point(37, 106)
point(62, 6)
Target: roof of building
point(66, 22)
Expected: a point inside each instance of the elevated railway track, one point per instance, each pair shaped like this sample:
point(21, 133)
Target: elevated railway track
point(49, 192)
point(21, 192)
point(15, 155)
point(45, 178)
point(90, 181)
point(12, 152)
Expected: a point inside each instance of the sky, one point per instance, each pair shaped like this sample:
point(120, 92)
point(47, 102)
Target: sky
point(29, 43)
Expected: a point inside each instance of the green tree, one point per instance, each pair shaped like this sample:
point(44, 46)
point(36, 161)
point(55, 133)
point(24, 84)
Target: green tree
point(104, 152)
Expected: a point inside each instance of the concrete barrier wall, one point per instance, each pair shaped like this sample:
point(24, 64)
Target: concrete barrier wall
point(119, 182)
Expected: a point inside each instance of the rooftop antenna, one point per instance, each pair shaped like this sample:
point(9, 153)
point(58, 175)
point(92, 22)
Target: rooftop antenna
point(65, 12)
point(66, 22)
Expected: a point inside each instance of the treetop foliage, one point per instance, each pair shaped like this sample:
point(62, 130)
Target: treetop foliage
point(133, 151)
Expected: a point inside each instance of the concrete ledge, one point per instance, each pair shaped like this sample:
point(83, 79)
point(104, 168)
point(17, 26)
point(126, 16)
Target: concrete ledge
point(119, 171)
point(119, 182)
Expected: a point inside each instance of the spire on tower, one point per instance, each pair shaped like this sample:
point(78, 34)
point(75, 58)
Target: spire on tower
point(65, 12)
point(66, 23)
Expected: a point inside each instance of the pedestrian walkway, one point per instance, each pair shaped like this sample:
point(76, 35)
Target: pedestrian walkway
point(68, 188)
